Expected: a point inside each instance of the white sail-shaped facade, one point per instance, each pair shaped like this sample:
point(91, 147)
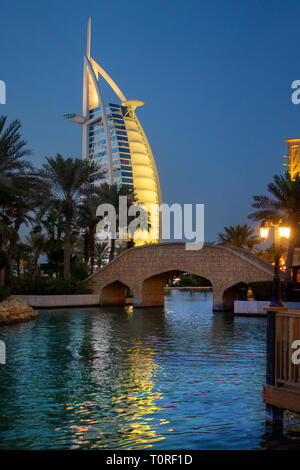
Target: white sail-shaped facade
point(113, 138)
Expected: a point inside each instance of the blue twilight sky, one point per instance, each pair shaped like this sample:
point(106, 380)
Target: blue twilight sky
point(215, 75)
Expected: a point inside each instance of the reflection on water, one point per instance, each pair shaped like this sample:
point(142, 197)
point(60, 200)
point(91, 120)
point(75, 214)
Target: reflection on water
point(120, 378)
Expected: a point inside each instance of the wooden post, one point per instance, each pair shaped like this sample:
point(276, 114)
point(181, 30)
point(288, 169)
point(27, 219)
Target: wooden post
point(274, 415)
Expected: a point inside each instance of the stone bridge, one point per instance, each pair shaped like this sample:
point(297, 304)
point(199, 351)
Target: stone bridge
point(145, 270)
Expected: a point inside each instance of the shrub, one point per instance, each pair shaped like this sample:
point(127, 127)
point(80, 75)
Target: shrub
point(79, 270)
point(47, 286)
point(194, 281)
point(290, 294)
point(262, 290)
point(4, 293)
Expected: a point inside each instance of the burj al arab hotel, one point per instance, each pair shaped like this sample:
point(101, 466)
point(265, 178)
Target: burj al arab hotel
point(113, 138)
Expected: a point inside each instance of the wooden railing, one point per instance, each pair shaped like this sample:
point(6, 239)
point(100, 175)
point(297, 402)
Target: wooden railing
point(287, 373)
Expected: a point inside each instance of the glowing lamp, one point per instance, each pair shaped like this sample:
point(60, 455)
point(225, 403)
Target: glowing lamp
point(264, 232)
point(284, 232)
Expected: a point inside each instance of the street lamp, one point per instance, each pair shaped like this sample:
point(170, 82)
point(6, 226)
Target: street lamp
point(279, 231)
point(284, 232)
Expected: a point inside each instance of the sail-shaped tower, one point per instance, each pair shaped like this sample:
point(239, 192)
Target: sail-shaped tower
point(113, 138)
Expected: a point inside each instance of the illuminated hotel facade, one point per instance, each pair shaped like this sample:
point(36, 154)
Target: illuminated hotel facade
point(113, 138)
point(293, 157)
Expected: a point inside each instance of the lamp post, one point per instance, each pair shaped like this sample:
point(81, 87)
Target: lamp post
point(279, 231)
point(274, 415)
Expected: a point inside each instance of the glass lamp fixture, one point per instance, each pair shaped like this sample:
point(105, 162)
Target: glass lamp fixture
point(264, 232)
point(284, 232)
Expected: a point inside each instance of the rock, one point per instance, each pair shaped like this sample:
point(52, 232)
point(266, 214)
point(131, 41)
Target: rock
point(15, 311)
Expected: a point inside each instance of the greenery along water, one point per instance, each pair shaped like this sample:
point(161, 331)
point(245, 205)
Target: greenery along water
point(122, 379)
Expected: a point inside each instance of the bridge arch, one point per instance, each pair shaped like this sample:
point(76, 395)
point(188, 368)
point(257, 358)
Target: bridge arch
point(114, 293)
point(146, 268)
point(231, 294)
point(153, 287)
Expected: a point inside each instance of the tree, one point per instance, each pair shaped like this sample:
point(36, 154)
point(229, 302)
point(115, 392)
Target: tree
point(51, 224)
point(20, 185)
point(67, 176)
point(242, 236)
point(101, 253)
point(285, 207)
point(109, 194)
point(20, 254)
point(12, 151)
point(36, 242)
point(88, 219)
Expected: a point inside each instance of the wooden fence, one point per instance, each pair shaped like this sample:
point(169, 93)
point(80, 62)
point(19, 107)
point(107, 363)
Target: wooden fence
point(287, 371)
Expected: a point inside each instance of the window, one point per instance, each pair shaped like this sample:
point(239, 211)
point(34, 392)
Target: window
point(117, 115)
point(123, 144)
point(126, 173)
point(124, 155)
point(124, 150)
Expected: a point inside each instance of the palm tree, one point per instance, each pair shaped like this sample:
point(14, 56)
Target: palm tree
point(88, 220)
point(36, 242)
point(51, 224)
point(109, 194)
point(12, 150)
point(67, 177)
point(284, 206)
point(241, 236)
point(19, 185)
point(20, 254)
point(101, 253)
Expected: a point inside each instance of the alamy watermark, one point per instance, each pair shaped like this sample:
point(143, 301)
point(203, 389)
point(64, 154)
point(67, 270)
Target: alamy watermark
point(2, 92)
point(2, 352)
point(296, 354)
point(138, 221)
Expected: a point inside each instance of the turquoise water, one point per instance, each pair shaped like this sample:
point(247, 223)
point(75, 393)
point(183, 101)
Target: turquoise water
point(118, 378)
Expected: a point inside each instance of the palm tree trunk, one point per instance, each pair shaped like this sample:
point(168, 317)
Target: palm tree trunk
point(35, 265)
point(92, 247)
point(67, 247)
point(2, 271)
point(2, 276)
point(86, 252)
point(112, 249)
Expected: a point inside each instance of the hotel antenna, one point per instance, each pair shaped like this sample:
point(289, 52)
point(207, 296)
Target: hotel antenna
point(88, 44)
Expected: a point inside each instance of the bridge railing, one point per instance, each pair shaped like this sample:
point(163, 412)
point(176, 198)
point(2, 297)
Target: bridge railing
point(287, 371)
point(282, 388)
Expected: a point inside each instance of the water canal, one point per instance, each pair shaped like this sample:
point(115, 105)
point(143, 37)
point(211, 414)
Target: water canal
point(117, 378)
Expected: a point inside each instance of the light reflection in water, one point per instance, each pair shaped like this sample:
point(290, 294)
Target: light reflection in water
point(123, 378)
point(136, 405)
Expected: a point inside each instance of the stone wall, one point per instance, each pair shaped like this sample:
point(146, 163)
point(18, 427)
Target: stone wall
point(15, 311)
point(58, 301)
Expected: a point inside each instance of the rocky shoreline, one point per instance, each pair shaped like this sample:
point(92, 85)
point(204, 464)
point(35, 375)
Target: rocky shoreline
point(15, 311)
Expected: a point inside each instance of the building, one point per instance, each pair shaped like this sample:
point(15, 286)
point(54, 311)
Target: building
point(113, 138)
point(293, 168)
point(293, 157)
